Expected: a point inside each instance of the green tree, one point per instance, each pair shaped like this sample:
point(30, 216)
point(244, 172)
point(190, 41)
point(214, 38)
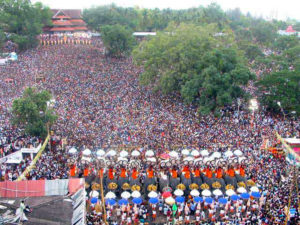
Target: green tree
point(206, 69)
point(283, 87)
point(23, 21)
point(264, 32)
point(31, 112)
point(117, 39)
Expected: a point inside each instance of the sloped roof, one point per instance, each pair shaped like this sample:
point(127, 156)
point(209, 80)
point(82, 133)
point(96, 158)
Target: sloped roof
point(72, 13)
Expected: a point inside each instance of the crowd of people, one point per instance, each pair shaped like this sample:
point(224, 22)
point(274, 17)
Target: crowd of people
point(100, 104)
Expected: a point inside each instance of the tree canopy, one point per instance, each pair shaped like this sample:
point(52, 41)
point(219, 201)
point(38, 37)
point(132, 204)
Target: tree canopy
point(117, 39)
point(206, 69)
point(31, 112)
point(22, 21)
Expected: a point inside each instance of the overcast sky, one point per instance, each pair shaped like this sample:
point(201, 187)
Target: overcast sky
point(280, 9)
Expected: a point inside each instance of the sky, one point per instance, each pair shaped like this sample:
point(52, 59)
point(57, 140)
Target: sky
point(278, 9)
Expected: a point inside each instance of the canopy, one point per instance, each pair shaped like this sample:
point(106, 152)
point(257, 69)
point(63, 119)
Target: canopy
point(223, 201)
point(209, 200)
point(94, 194)
point(123, 154)
point(100, 152)
point(173, 154)
point(166, 194)
point(110, 195)
point(149, 153)
point(94, 200)
point(152, 194)
point(195, 153)
point(123, 202)
point(178, 192)
point(153, 200)
point(125, 195)
point(185, 152)
point(135, 153)
point(111, 153)
point(198, 199)
point(234, 197)
point(238, 152)
point(72, 150)
point(180, 199)
point(230, 192)
point(195, 192)
point(170, 201)
point(206, 193)
point(204, 152)
point(137, 201)
point(255, 194)
point(110, 202)
point(87, 152)
point(241, 190)
point(165, 156)
point(217, 192)
point(136, 194)
point(245, 195)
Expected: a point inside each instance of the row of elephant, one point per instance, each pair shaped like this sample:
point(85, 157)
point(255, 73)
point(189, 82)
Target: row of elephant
point(147, 184)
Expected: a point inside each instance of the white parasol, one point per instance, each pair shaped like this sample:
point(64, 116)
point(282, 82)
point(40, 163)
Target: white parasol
point(241, 190)
point(185, 152)
point(100, 152)
point(217, 192)
point(173, 154)
point(125, 195)
point(136, 194)
point(87, 152)
point(72, 150)
point(94, 194)
point(170, 200)
point(123, 154)
point(149, 153)
point(206, 193)
point(178, 192)
point(152, 194)
point(188, 159)
point(228, 153)
point(111, 153)
point(230, 192)
point(135, 153)
point(195, 192)
point(217, 155)
point(195, 153)
point(254, 189)
point(238, 152)
point(152, 159)
point(110, 195)
point(122, 159)
point(204, 152)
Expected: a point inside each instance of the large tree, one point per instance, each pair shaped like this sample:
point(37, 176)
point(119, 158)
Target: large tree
point(201, 63)
point(117, 39)
point(23, 21)
point(32, 112)
point(283, 87)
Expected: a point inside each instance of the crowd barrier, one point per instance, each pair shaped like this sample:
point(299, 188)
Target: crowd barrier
point(40, 188)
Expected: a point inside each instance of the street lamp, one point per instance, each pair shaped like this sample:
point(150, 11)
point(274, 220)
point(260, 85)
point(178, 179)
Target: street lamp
point(253, 107)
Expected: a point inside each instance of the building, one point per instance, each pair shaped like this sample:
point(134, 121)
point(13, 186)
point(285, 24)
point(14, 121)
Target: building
point(289, 31)
point(66, 21)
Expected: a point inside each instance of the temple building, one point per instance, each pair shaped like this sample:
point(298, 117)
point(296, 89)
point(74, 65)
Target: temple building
point(66, 21)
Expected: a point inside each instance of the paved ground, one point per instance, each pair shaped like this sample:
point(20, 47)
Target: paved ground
point(54, 210)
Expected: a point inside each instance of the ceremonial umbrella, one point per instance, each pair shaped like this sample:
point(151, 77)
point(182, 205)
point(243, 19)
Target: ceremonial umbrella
point(111, 153)
point(209, 200)
point(173, 154)
point(152, 194)
point(245, 195)
point(153, 200)
point(170, 200)
point(137, 201)
point(217, 192)
point(198, 199)
point(123, 202)
point(100, 153)
point(206, 193)
point(110, 202)
point(238, 152)
point(204, 152)
point(222, 201)
point(149, 153)
point(123, 154)
point(179, 199)
point(195, 153)
point(216, 155)
point(166, 194)
point(110, 195)
point(136, 194)
point(241, 190)
point(228, 153)
point(195, 193)
point(125, 195)
point(87, 152)
point(254, 189)
point(234, 197)
point(94, 194)
point(72, 150)
point(94, 200)
point(135, 153)
point(165, 156)
point(178, 192)
point(230, 192)
point(185, 152)
point(255, 194)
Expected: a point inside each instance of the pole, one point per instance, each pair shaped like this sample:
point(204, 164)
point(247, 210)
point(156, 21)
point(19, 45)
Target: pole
point(102, 198)
point(290, 197)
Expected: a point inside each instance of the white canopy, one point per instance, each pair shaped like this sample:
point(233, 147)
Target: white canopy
point(204, 152)
point(206, 193)
point(195, 153)
point(241, 190)
point(217, 192)
point(178, 192)
point(125, 195)
point(135, 153)
point(195, 192)
point(136, 194)
point(254, 189)
point(111, 153)
point(149, 153)
point(94, 194)
point(228, 153)
point(110, 195)
point(230, 192)
point(185, 152)
point(123, 153)
point(238, 152)
point(152, 194)
point(173, 154)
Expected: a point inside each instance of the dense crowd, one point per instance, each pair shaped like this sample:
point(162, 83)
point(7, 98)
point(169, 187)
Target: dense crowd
point(101, 105)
